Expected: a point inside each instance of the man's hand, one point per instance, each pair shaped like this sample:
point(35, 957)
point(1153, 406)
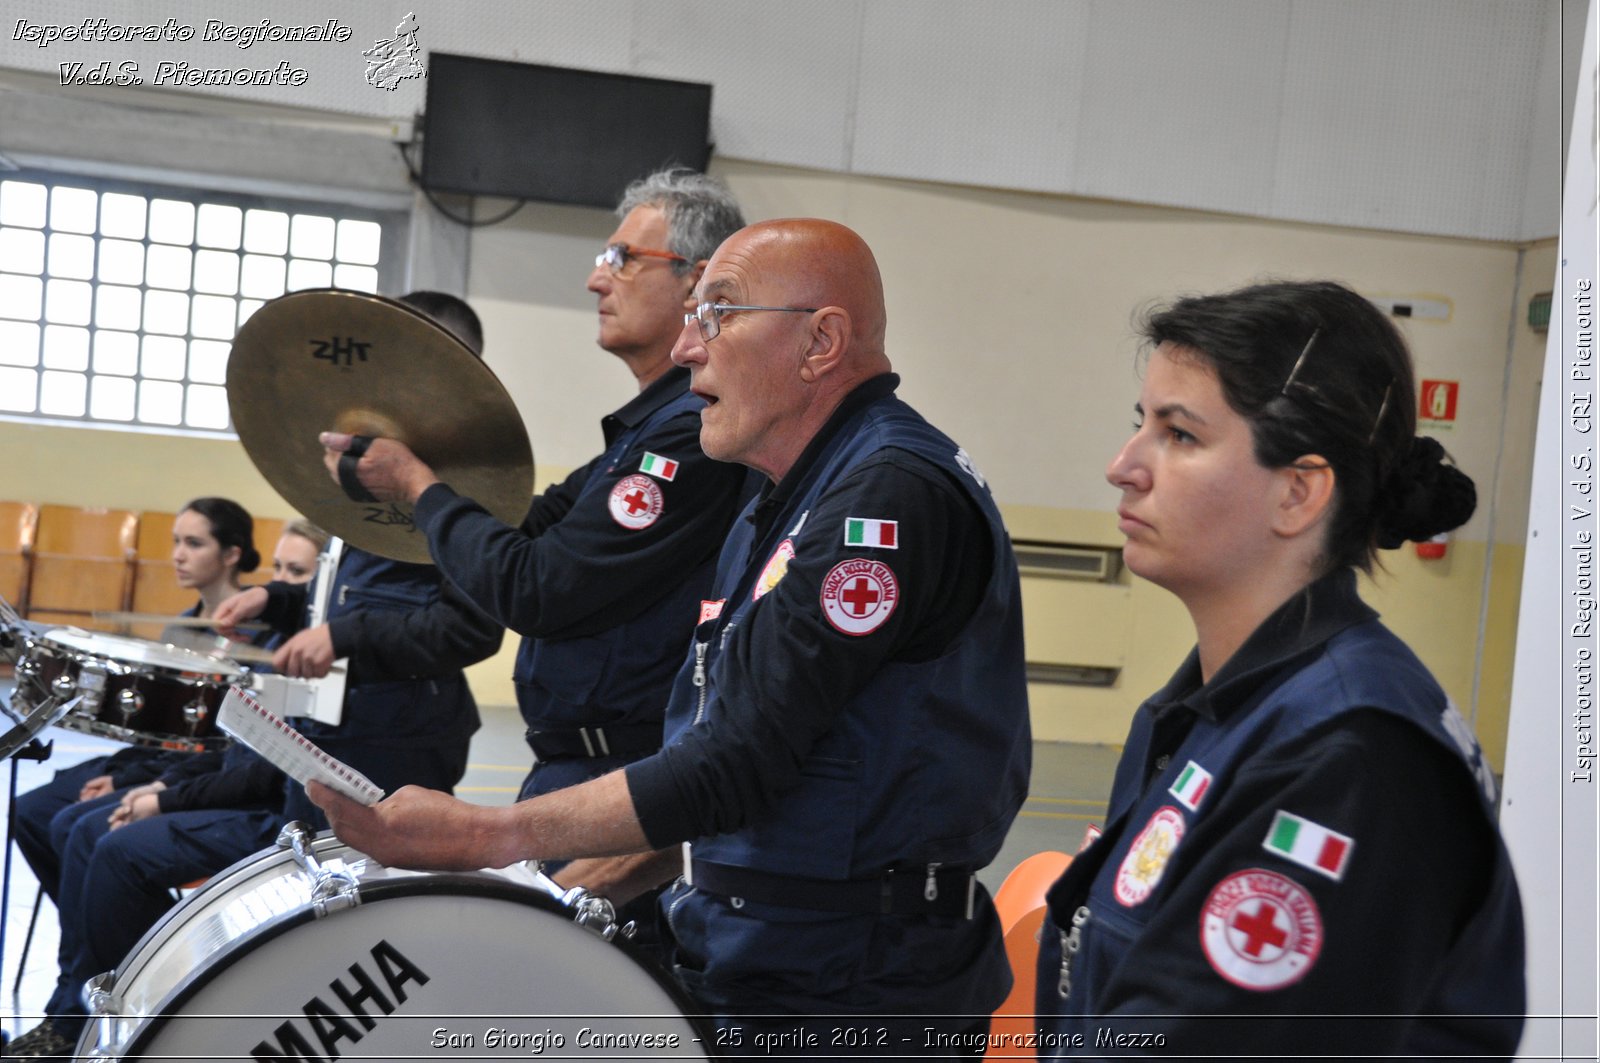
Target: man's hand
point(388, 469)
point(308, 655)
point(413, 828)
point(138, 803)
point(236, 609)
point(98, 786)
point(134, 807)
point(429, 830)
point(620, 879)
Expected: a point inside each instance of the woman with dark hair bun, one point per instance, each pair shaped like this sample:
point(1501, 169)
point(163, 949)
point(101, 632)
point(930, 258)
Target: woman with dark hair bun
point(1300, 854)
point(213, 543)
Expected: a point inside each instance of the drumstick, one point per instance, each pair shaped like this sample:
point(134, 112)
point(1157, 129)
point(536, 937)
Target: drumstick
point(247, 654)
point(171, 621)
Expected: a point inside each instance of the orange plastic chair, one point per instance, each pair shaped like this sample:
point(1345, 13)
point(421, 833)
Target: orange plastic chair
point(1020, 902)
point(82, 564)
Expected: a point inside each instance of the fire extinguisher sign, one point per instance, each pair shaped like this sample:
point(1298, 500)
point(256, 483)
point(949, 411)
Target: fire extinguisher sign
point(1437, 399)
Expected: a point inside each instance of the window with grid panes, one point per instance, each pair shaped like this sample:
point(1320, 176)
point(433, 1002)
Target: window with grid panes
point(119, 302)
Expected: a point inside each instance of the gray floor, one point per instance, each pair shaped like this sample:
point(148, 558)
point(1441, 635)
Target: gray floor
point(1068, 792)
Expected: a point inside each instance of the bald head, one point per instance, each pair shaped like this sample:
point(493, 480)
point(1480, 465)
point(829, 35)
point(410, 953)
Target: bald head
point(822, 264)
point(802, 326)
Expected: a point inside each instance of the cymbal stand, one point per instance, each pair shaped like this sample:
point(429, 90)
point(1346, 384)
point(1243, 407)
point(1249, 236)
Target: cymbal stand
point(34, 750)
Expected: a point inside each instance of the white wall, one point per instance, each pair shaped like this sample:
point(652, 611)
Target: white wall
point(1408, 115)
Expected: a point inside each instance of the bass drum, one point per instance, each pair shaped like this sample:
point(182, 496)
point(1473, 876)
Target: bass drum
point(321, 954)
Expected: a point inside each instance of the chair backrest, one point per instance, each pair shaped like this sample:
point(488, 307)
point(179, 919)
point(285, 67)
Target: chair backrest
point(268, 531)
point(155, 583)
point(82, 563)
point(1020, 904)
point(19, 525)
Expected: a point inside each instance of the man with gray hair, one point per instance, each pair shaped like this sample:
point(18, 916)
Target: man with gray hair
point(605, 577)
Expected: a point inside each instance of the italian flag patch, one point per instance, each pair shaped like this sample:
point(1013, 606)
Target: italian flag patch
point(865, 531)
point(1191, 787)
point(659, 467)
point(1309, 844)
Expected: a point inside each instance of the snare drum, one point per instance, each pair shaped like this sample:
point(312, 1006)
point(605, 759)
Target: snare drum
point(289, 956)
point(135, 691)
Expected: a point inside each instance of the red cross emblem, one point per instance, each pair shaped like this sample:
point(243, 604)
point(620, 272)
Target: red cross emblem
point(635, 502)
point(859, 595)
point(1260, 930)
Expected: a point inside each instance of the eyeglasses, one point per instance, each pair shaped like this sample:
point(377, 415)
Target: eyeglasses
point(616, 256)
point(709, 315)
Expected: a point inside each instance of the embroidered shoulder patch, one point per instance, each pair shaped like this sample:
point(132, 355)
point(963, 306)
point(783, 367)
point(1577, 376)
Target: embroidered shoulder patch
point(1300, 841)
point(868, 531)
point(1191, 786)
point(777, 568)
point(859, 595)
point(636, 502)
point(1460, 732)
point(964, 460)
point(1148, 855)
point(659, 467)
point(1260, 931)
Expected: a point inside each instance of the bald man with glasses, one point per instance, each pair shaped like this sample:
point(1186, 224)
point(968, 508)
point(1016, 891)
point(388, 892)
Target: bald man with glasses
point(847, 740)
point(605, 577)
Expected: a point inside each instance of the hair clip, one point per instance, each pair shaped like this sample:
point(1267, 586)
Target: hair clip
point(1383, 408)
point(1298, 362)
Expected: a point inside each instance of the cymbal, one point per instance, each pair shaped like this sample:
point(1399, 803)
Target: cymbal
point(332, 360)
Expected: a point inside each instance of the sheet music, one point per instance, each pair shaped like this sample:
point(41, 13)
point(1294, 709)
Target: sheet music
point(300, 758)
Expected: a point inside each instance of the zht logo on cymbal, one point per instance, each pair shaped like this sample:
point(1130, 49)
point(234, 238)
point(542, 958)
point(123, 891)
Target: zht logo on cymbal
point(341, 352)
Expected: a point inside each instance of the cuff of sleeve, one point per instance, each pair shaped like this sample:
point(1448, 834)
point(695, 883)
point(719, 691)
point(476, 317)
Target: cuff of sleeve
point(344, 631)
point(655, 802)
point(167, 800)
point(429, 504)
point(285, 608)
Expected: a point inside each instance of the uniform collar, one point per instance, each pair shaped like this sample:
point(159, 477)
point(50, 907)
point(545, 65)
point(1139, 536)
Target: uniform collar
point(670, 385)
point(1297, 629)
point(773, 497)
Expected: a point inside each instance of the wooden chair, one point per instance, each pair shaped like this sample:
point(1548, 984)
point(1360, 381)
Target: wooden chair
point(155, 583)
point(82, 563)
point(19, 525)
point(268, 531)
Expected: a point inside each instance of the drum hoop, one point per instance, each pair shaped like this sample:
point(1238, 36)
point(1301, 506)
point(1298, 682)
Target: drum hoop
point(214, 743)
point(217, 671)
point(467, 884)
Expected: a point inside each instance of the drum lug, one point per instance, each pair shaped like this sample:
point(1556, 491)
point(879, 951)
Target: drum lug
point(195, 712)
point(105, 1007)
point(129, 703)
point(331, 891)
point(595, 914)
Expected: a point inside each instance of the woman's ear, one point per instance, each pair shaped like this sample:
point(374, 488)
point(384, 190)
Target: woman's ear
point(1307, 499)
